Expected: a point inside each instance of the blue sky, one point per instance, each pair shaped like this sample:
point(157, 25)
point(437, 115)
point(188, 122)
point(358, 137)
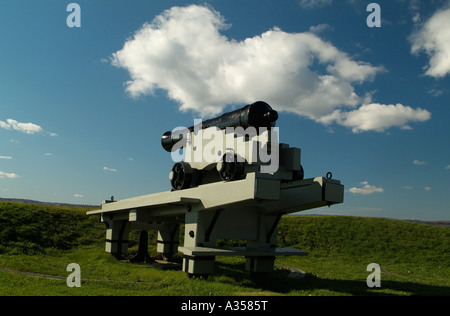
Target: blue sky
point(82, 109)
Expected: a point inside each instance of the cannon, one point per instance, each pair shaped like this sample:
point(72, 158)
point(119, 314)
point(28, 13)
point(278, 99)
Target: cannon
point(258, 114)
point(231, 179)
point(242, 141)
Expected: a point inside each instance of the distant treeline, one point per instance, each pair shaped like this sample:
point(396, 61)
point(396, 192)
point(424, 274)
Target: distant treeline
point(25, 201)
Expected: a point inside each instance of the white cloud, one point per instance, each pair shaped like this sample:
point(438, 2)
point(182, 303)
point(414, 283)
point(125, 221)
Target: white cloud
point(415, 8)
point(435, 92)
point(183, 53)
point(4, 125)
point(110, 169)
point(365, 189)
point(78, 195)
point(419, 162)
point(27, 128)
point(433, 38)
point(408, 187)
point(5, 157)
point(320, 28)
point(378, 117)
point(315, 3)
point(428, 188)
point(8, 175)
point(447, 167)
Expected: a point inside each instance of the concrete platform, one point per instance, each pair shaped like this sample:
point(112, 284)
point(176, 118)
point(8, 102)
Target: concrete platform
point(240, 251)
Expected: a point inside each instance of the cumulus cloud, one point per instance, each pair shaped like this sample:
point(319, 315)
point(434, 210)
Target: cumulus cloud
point(78, 195)
point(379, 117)
point(433, 38)
point(27, 128)
point(365, 189)
point(183, 52)
point(5, 157)
point(419, 162)
point(8, 175)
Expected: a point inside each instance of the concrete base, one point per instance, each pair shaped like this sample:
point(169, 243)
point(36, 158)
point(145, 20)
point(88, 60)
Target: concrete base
point(200, 260)
point(247, 209)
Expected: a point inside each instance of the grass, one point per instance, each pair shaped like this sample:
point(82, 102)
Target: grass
point(43, 240)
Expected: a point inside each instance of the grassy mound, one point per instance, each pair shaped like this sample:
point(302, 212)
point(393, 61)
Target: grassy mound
point(366, 238)
point(414, 258)
point(34, 229)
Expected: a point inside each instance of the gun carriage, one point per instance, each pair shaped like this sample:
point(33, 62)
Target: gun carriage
point(235, 181)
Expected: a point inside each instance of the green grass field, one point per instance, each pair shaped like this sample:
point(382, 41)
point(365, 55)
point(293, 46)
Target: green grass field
point(40, 241)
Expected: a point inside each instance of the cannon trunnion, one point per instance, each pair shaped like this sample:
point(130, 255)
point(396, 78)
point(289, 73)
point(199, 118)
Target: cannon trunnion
point(234, 181)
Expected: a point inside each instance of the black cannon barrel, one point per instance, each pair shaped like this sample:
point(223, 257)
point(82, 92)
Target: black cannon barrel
point(258, 114)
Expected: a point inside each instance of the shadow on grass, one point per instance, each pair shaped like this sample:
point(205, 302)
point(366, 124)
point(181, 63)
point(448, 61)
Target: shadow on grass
point(279, 282)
